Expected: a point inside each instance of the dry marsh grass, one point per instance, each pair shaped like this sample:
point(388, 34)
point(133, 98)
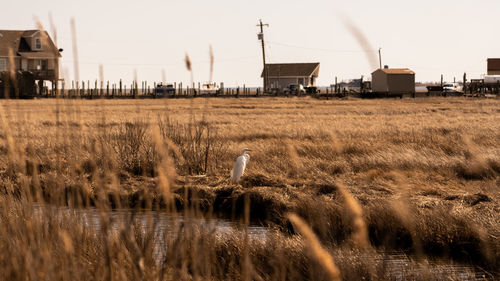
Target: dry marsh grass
point(415, 175)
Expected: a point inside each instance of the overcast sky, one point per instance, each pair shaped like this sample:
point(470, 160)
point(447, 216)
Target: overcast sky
point(431, 37)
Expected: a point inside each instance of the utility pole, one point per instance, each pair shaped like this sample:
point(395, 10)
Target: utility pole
point(380, 58)
point(260, 36)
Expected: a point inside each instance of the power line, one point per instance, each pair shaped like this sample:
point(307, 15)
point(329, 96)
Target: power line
point(159, 64)
point(320, 49)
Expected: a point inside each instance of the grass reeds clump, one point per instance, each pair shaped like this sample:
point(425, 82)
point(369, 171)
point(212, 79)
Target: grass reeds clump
point(134, 148)
point(199, 145)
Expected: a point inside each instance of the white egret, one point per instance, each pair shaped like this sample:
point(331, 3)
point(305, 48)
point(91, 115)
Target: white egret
point(239, 166)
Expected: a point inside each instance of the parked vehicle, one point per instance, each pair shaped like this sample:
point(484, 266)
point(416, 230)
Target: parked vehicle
point(492, 79)
point(312, 90)
point(452, 88)
point(294, 89)
point(209, 89)
point(164, 89)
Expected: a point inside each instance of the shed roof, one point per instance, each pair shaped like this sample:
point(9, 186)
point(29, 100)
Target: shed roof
point(396, 70)
point(493, 64)
point(15, 40)
point(291, 69)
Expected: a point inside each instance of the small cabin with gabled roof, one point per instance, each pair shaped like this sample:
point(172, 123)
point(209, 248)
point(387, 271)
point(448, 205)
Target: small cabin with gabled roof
point(281, 75)
point(397, 81)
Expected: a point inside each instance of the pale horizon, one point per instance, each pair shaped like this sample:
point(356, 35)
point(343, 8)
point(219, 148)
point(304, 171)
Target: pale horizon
point(429, 37)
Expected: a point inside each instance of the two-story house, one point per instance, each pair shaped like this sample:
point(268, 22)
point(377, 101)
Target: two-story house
point(31, 51)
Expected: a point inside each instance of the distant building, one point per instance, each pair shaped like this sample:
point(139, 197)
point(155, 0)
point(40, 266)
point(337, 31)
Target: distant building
point(493, 66)
point(280, 75)
point(33, 52)
point(349, 85)
point(393, 81)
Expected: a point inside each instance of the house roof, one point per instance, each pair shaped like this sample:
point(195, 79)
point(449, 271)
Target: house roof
point(493, 64)
point(29, 33)
point(9, 39)
point(15, 40)
point(395, 70)
point(291, 69)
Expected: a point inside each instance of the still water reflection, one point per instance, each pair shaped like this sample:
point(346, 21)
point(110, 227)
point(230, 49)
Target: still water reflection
point(397, 264)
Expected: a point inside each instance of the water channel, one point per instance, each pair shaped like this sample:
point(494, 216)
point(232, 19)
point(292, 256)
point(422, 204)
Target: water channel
point(168, 223)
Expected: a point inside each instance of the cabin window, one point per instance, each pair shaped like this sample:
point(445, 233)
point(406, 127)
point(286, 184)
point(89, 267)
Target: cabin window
point(38, 44)
point(3, 64)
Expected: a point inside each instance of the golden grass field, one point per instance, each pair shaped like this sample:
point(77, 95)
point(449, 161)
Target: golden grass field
point(414, 175)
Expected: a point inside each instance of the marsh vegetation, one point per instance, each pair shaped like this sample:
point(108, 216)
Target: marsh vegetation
point(337, 183)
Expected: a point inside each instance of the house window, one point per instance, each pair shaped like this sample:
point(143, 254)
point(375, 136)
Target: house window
point(37, 64)
point(38, 44)
point(40, 64)
point(3, 64)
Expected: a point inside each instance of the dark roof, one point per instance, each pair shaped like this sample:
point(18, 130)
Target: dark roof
point(9, 39)
point(28, 33)
point(15, 40)
point(396, 70)
point(493, 64)
point(291, 69)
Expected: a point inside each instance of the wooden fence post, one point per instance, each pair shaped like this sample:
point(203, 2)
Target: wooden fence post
point(464, 86)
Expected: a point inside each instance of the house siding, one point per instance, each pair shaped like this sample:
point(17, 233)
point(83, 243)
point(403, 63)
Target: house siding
point(284, 82)
point(281, 75)
point(401, 83)
point(50, 64)
point(493, 67)
point(379, 81)
point(281, 83)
